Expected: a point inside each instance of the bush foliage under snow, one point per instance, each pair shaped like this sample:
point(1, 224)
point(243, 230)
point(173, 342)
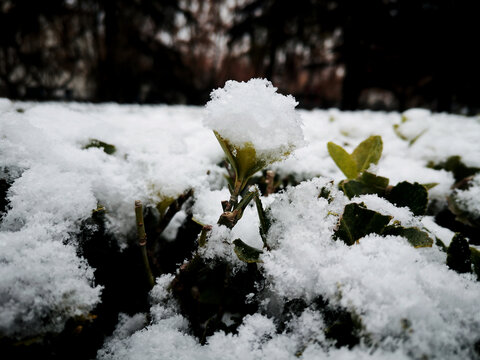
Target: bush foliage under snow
point(311, 296)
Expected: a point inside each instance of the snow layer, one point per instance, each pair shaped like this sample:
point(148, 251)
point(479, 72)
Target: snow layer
point(409, 303)
point(56, 183)
point(254, 113)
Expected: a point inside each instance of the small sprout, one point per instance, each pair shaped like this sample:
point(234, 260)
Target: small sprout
point(366, 153)
point(255, 126)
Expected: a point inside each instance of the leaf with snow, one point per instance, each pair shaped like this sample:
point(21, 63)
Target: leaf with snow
point(416, 237)
point(358, 221)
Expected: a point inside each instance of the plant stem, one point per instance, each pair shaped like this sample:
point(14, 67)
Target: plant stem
point(142, 241)
point(263, 220)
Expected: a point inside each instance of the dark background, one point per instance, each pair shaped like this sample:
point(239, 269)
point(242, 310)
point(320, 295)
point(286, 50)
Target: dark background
point(377, 54)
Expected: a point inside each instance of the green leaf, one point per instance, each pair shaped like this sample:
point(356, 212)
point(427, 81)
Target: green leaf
point(414, 196)
point(246, 253)
point(458, 254)
point(226, 149)
point(358, 221)
point(107, 148)
point(367, 183)
point(367, 152)
point(352, 188)
point(344, 160)
point(416, 237)
point(375, 181)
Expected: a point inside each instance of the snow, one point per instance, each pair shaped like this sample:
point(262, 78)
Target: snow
point(409, 303)
point(254, 113)
point(468, 200)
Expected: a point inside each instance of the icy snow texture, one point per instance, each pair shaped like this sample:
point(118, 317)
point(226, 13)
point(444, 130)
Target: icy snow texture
point(253, 112)
point(384, 280)
point(168, 339)
point(398, 293)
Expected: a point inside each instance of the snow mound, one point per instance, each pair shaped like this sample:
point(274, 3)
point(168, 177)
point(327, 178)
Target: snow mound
point(254, 113)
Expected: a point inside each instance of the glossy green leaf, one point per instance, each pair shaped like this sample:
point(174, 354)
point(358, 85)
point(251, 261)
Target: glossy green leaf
point(416, 237)
point(358, 221)
point(246, 253)
point(344, 160)
point(368, 152)
point(414, 196)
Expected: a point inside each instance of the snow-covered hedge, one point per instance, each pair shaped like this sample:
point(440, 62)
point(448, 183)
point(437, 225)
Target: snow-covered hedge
point(306, 292)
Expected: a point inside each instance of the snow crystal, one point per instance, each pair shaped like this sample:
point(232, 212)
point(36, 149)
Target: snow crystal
point(254, 113)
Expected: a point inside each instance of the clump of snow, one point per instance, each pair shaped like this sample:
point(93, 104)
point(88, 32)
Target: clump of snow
point(469, 200)
point(43, 282)
point(254, 113)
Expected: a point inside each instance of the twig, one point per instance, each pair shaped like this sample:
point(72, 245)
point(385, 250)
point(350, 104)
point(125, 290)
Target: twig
point(142, 241)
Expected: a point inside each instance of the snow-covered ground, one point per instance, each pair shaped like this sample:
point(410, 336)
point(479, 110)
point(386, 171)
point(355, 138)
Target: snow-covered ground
point(408, 302)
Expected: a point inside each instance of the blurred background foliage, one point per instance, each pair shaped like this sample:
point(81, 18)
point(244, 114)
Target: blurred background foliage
point(376, 54)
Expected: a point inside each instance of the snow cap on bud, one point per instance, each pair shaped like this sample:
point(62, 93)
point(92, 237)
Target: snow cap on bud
point(253, 115)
